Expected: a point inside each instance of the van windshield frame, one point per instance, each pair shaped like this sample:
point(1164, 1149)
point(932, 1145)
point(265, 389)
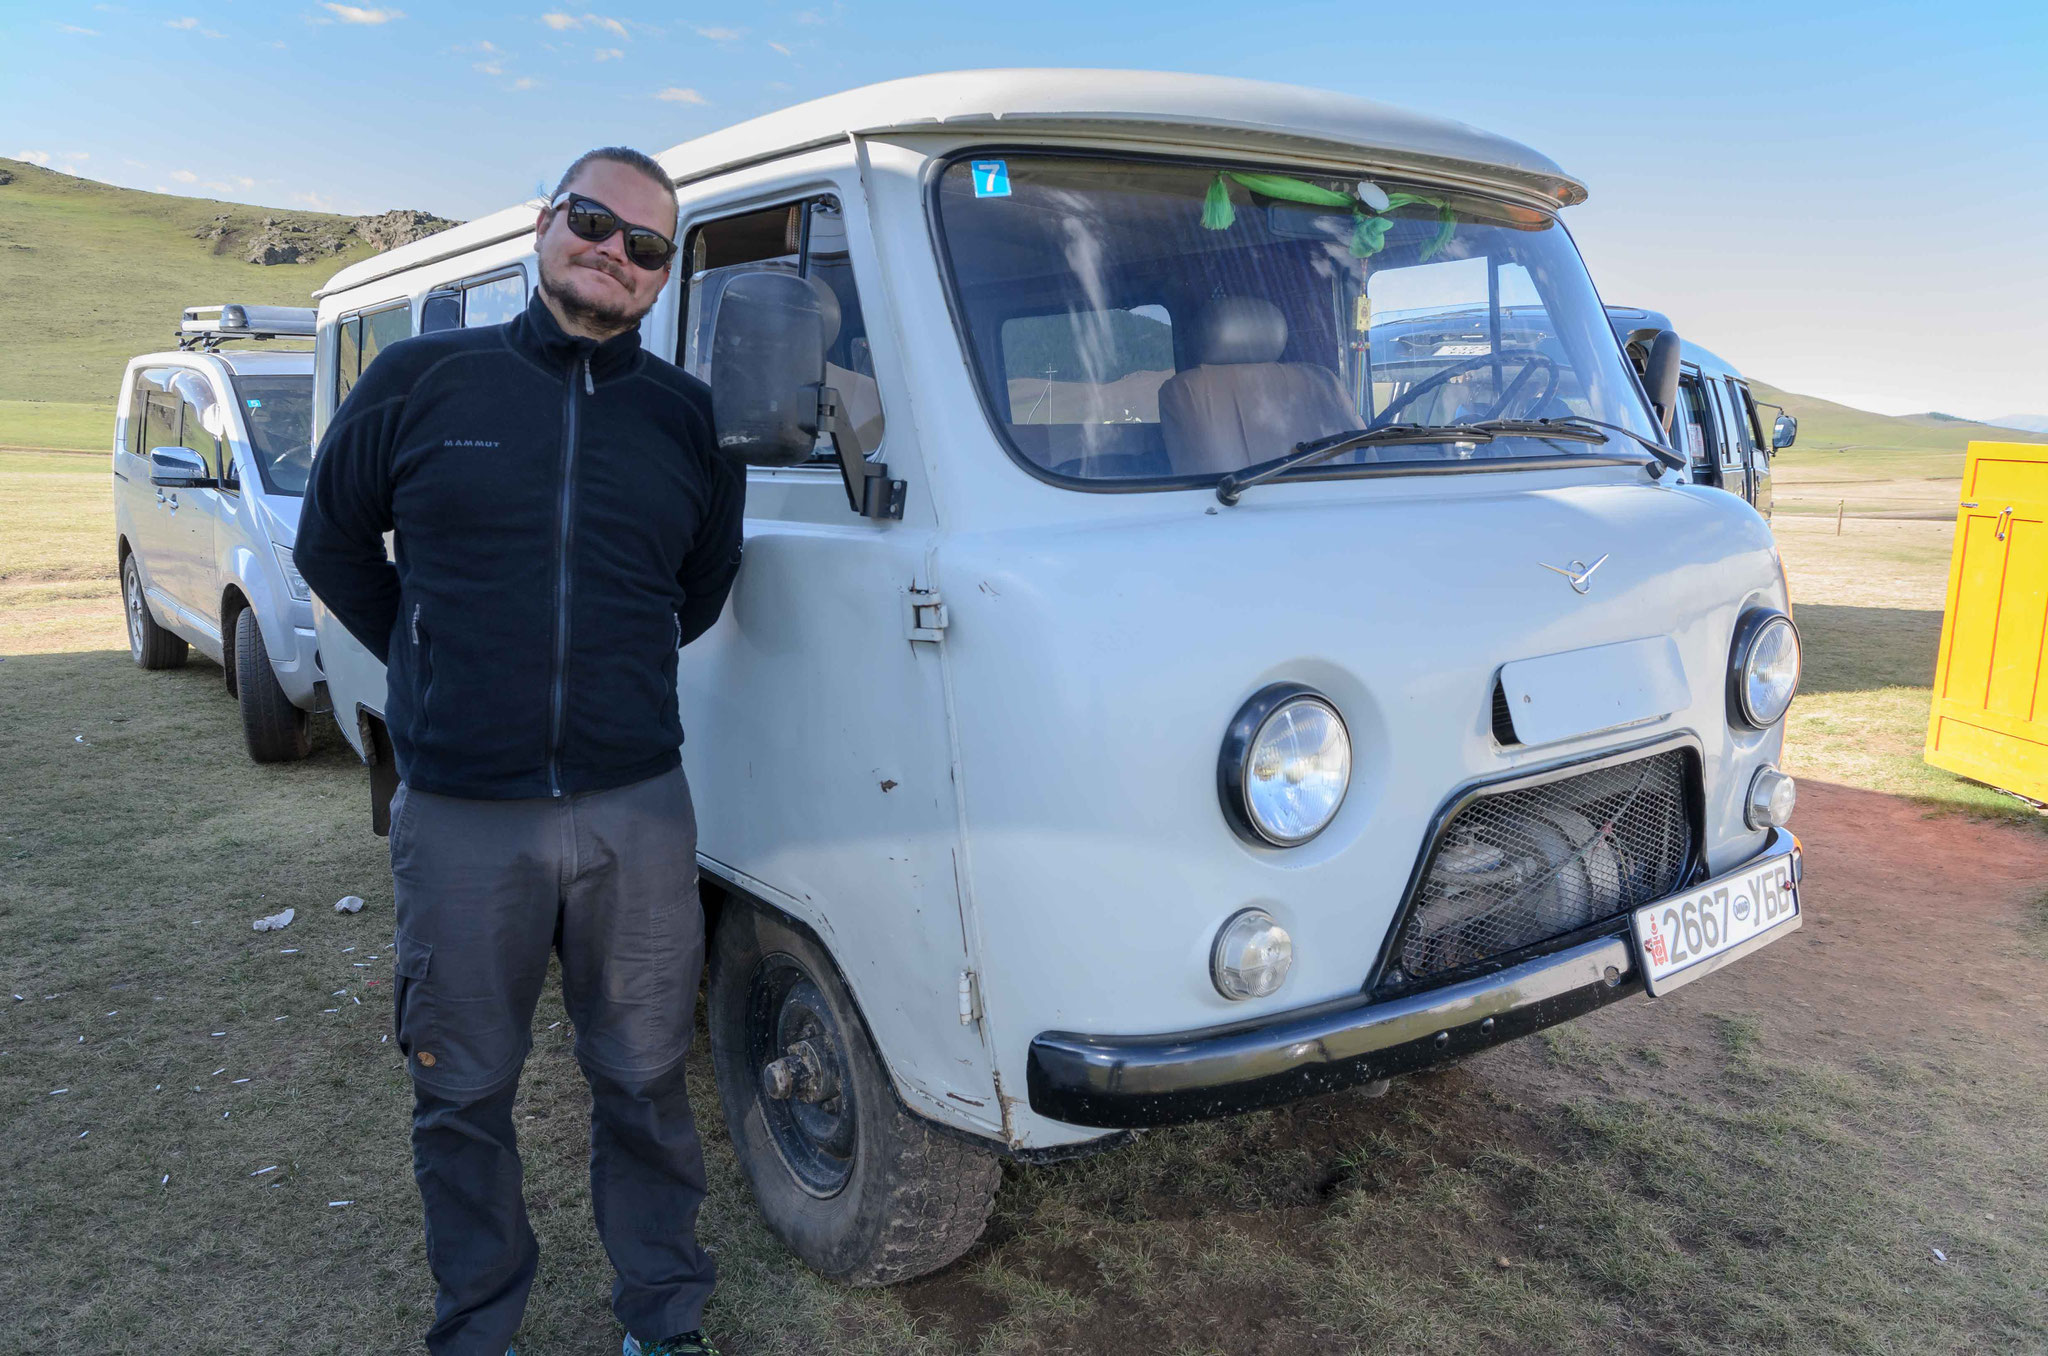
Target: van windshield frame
point(1624, 401)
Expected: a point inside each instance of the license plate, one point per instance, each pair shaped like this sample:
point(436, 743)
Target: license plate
point(1696, 933)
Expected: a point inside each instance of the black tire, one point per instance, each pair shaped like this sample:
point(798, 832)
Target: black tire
point(912, 1198)
point(276, 731)
point(149, 645)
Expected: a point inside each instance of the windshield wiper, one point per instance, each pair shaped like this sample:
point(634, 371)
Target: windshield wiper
point(1390, 435)
point(1575, 429)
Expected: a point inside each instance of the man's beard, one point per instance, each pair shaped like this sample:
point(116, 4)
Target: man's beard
point(595, 315)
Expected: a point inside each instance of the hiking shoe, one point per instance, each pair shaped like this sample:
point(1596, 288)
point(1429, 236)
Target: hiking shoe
point(683, 1344)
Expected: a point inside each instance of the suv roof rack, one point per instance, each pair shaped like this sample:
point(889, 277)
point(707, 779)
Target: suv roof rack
point(207, 327)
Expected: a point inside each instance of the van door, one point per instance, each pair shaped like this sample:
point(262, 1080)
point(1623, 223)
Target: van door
point(188, 568)
point(819, 739)
point(146, 522)
point(1756, 452)
point(1692, 430)
point(1734, 476)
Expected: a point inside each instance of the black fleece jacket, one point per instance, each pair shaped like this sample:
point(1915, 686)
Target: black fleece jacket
point(564, 525)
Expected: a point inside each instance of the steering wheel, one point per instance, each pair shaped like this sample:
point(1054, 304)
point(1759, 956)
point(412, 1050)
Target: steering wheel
point(298, 452)
point(1459, 369)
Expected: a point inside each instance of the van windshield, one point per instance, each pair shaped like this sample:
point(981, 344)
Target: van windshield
point(279, 414)
point(1164, 323)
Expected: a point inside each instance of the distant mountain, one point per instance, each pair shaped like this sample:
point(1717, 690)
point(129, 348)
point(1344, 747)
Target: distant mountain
point(2031, 423)
point(1827, 426)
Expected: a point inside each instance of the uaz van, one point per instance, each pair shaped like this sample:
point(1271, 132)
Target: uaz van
point(212, 447)
point(1155, 689)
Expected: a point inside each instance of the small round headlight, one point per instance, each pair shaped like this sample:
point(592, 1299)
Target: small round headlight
point(1765, 669)
point(1772, 795)
point(1285, 767)
point(1252, 955)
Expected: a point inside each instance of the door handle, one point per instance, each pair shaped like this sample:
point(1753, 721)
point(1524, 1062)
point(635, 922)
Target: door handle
point(2005, 523)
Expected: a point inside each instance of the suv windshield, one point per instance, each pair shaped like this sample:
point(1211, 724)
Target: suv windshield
point(279, 414)
point(1158, 323)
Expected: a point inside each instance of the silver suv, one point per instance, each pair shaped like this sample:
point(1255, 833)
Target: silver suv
point(212, 448)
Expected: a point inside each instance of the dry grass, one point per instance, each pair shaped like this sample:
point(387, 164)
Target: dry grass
point(1689, 1176)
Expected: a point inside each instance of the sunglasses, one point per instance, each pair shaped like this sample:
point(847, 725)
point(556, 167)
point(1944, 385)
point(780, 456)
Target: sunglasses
point(589, 219)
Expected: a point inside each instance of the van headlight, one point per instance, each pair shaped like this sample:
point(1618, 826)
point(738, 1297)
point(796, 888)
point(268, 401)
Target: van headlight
point(292, 579)
point(1285, 767)
point(1763, 669)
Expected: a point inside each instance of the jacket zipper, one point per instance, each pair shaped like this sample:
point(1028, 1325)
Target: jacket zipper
point(558, 696)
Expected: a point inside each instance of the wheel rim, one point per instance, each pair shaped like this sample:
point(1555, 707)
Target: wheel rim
point(131, 592)
point(814, 1136)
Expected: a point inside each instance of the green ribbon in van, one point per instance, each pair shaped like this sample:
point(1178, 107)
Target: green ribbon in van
point(1368, 229)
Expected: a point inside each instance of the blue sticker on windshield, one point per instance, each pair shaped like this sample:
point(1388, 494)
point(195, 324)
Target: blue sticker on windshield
point(253, 404)
point(991, 178)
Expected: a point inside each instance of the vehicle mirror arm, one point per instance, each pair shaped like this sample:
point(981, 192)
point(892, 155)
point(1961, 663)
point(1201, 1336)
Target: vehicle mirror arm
point(869, 490)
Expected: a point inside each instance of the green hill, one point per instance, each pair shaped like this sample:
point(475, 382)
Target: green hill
point(1883, 444)
point(91, 275)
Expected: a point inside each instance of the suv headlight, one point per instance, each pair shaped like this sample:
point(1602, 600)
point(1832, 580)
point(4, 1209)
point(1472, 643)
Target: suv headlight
point(1763, 669)
point(292, 579)
point(1285, 767)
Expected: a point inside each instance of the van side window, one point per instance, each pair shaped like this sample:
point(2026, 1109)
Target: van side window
point(493, 301)
point(160, 411)
point(1745, 417)
point(361, 337)
point(1731, 450)
point(202, 418)
point(1689, 425)
point(806, 238)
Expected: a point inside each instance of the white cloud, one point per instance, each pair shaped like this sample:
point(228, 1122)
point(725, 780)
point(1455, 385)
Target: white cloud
point(676, 95)
point(33, 157)
point(185, 176)
point(211, 33)
point(133, 164)
point(609, 54)
point(808, 16)
point(490, 68)
point(74, 28)
point(612, 26)
point(524, 82)
point(778, 47)
point(485, 46)
point(721, 34)
point(314, 201)
point(355, 14)
point(561, 22)
point(244, 181)
point(187, 22)
point(73, 155)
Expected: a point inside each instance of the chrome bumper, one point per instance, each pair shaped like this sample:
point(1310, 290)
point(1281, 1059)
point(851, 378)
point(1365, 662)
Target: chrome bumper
point(1195, 1075)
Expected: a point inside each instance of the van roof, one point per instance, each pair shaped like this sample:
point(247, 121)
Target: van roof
point(250, 362)
point(1214, 112)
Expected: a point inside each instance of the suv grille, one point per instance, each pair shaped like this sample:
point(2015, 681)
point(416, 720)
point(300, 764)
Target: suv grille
point(1518, 867)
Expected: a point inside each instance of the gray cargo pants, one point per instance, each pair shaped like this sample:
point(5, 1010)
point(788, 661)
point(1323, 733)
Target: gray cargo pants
point(485, 890)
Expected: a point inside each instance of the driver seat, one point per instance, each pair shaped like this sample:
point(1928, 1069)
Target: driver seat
point(1240, 404)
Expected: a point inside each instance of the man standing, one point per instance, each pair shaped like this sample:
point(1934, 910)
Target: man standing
point(564, 525)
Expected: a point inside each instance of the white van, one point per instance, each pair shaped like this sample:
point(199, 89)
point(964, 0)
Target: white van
point(212, 447)
point(1144, 699)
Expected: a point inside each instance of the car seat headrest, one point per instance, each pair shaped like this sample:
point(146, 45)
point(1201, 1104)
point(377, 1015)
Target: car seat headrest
point(1241, 330)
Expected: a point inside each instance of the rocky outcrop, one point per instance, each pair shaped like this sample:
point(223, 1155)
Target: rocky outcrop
point(279, 239)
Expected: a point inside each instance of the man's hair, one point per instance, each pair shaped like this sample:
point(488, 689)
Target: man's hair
point(618, 155)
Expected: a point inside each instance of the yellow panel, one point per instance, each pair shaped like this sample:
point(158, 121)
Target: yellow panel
point(1990, 716)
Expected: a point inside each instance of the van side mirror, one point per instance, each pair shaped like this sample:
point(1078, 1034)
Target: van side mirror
point(769, 401)
point(1660, 376)
point(178, 468)
point(1784, 431)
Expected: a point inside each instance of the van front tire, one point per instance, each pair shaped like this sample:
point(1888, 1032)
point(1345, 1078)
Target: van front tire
point(149, 645)
point(275, 730)
point(862, 1191)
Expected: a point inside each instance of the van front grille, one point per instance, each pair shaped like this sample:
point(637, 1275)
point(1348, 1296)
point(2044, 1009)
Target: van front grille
point(1521, 866)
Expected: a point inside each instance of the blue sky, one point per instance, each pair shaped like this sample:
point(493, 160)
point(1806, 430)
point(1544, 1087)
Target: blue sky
point(1845, 199)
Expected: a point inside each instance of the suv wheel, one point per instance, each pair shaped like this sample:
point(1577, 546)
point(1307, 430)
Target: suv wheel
point(149, 645)
point(859, 1189)
point(276, 731)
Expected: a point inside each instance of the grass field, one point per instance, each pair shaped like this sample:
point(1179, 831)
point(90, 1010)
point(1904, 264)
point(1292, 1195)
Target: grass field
point(1764, 1162)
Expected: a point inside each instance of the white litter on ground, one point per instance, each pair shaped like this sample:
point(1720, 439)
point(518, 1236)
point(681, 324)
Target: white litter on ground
point(330, 1009)
point(83, 1133)
point(166, 1181)
point(553, 1025)
point(241, 1080)
point(220, 1033)
point(357, 1001)
point(115, 1013)
point(385, 1038)
point(277, 1019)
point(281, 919)
point(218, 1072)
point(289, 951)
point(260, 1171)
point(360, 965)
point(58, 1092)
point(333, 1203)
point(345, 950)
point(349, 904)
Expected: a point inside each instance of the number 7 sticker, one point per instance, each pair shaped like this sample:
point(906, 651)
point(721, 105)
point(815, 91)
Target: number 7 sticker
point(991, 178)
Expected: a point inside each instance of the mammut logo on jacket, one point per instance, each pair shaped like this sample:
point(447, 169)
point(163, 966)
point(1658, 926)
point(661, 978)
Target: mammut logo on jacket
point(469, 442)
